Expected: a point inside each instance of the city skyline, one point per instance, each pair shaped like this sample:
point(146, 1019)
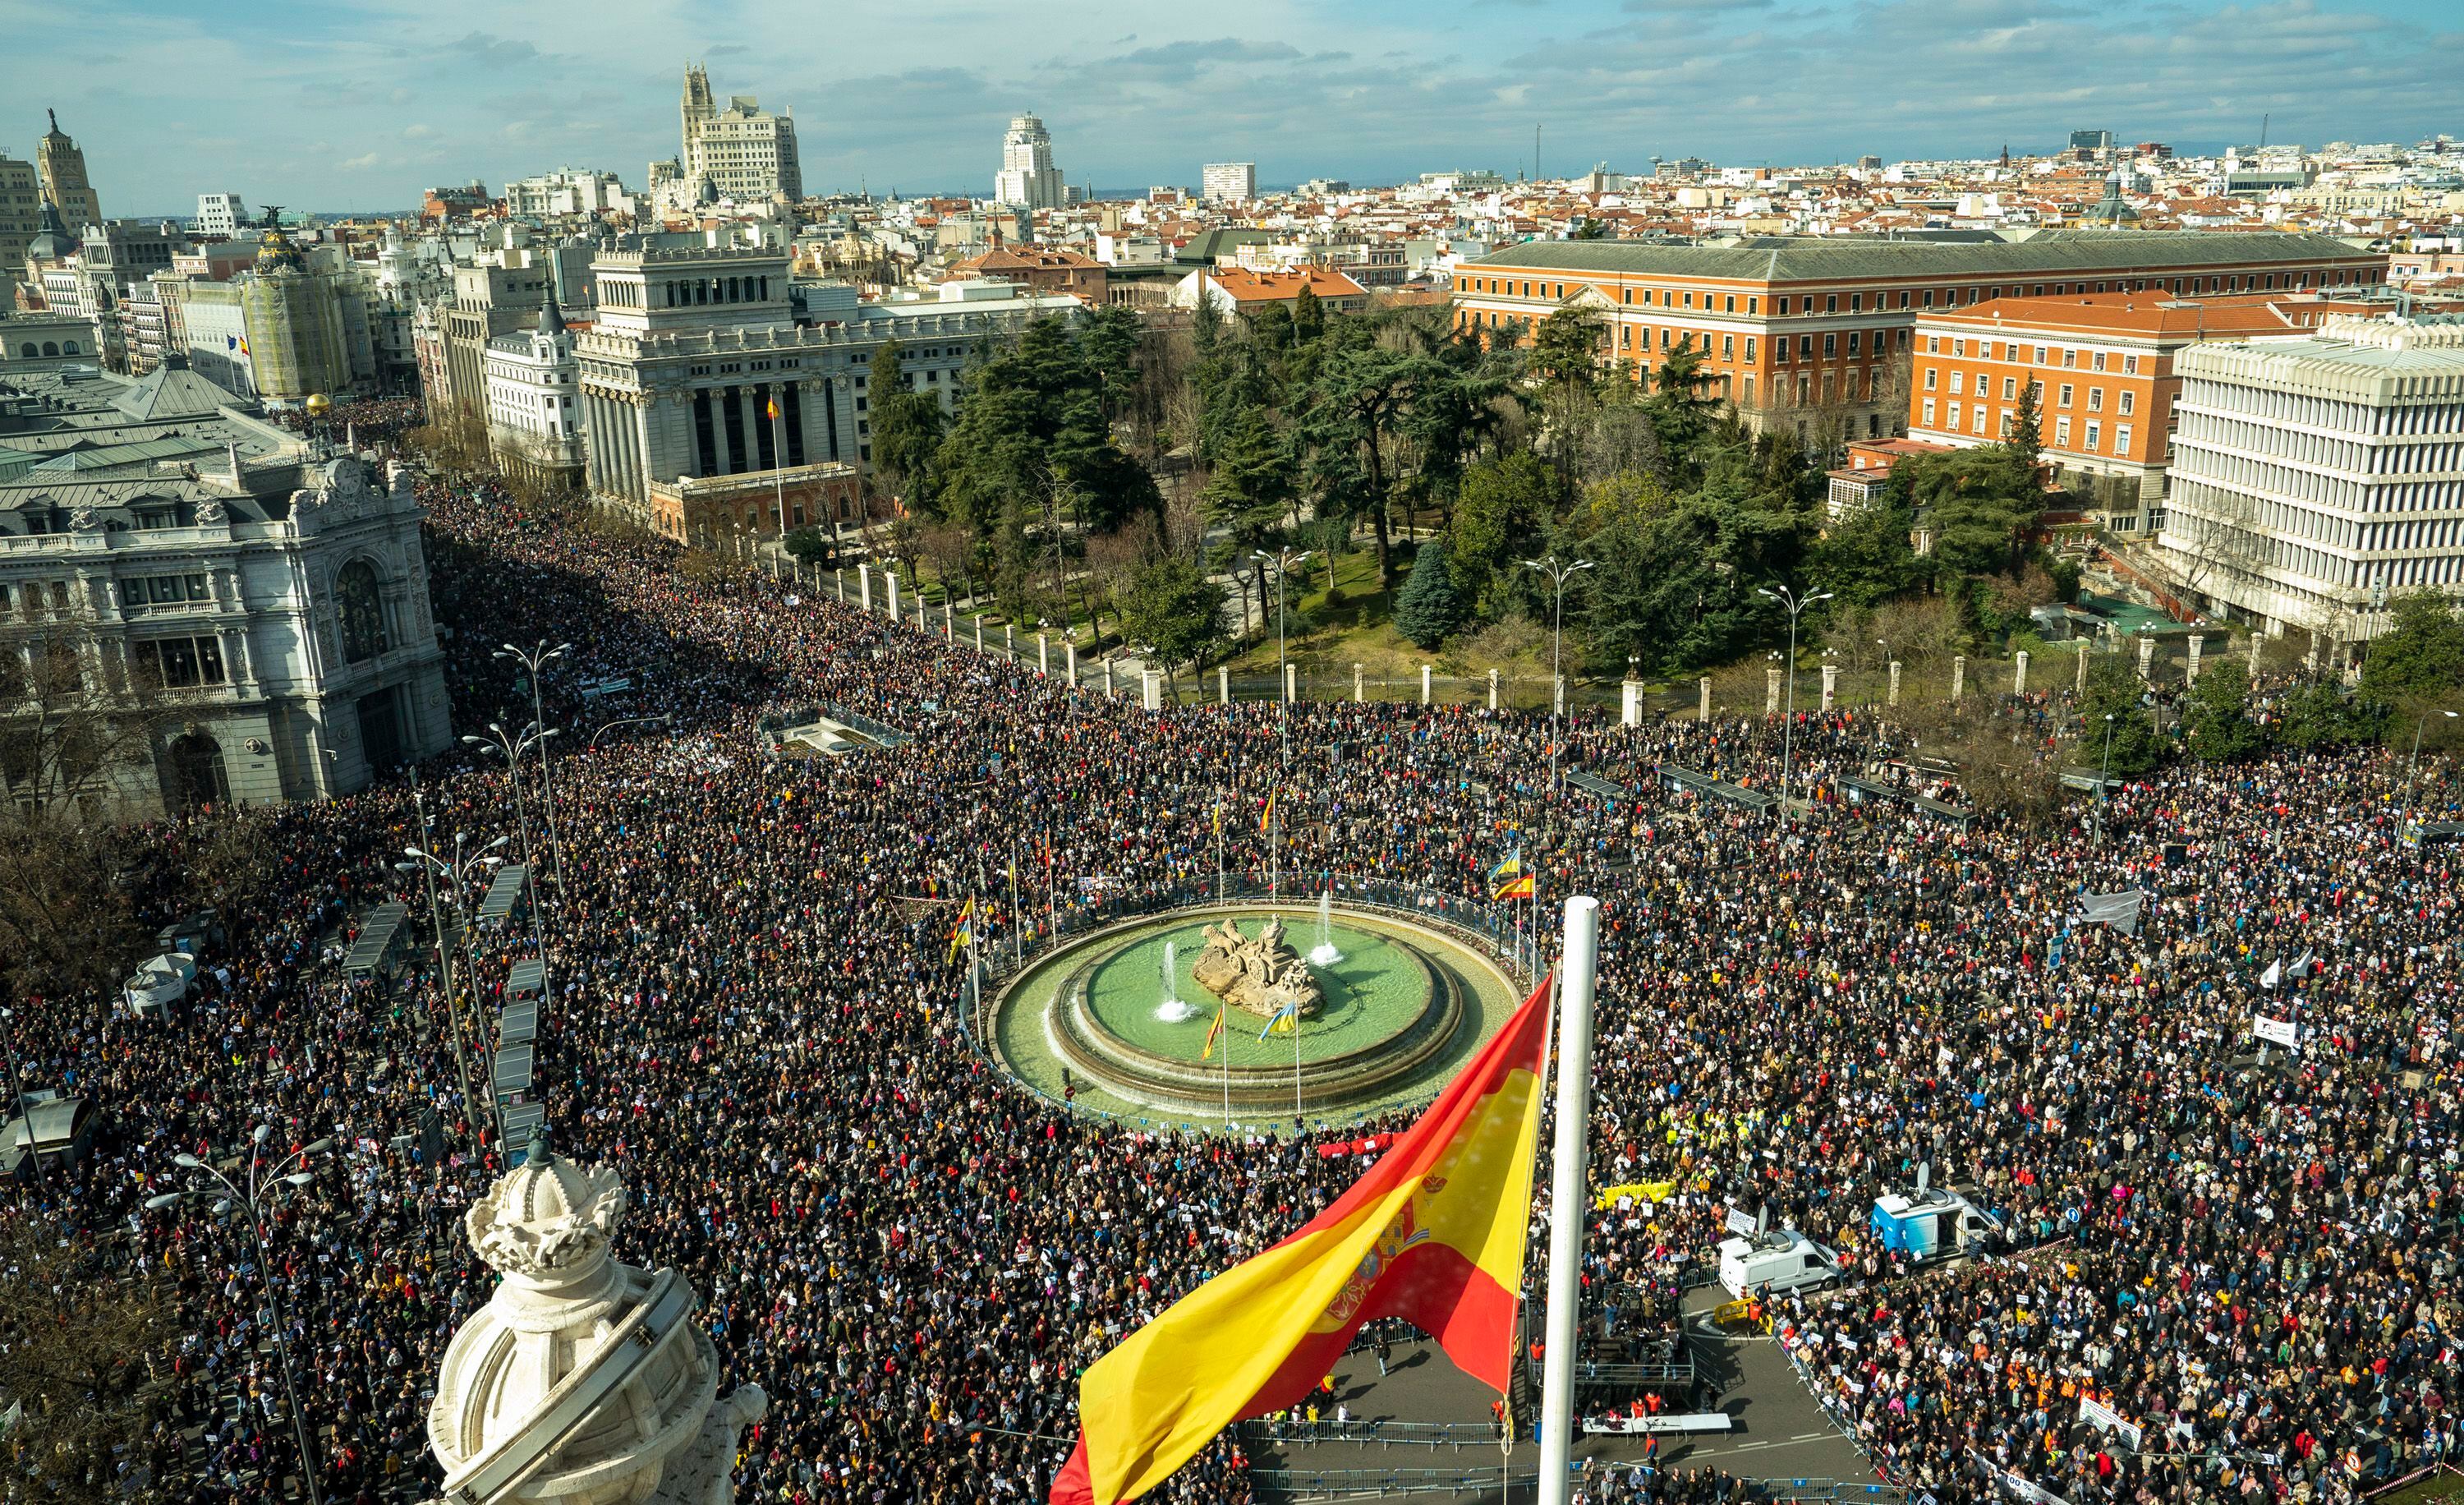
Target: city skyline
point(364, 105)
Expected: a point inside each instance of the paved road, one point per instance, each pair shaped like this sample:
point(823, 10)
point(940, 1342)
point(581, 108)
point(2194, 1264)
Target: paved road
point(1780, 1431)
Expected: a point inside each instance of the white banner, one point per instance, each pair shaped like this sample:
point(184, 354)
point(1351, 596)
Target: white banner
point(2276, 1031)
point(2104, 1418)
point(1741, 1222)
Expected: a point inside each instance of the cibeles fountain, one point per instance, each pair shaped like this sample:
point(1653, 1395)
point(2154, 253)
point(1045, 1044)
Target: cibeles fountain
point(583, 1380)
point(1215, 1012)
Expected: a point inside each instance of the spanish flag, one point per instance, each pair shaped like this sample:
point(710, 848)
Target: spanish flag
point(1433, 1233)
point(770, 409)
point(1214, 1033)
point(1266, 816)
point(1518, 887)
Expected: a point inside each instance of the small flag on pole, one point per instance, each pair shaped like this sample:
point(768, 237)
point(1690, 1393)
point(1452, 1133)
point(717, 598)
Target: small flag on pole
point(959, 934)
point(1214, 1033)
point(770, 409)
point(1266, 816)
point(1514, 888)
point(1287, 1017)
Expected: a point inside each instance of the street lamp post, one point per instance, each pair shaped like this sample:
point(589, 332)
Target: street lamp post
point(627, 720)
point(2103, 775)
point(17, 1082)
point(459, 872)
point(511, 747)
point(1558, 574)
point(1795, 604)
point(266, 1181)
point(1285, 562)
point(533, 659)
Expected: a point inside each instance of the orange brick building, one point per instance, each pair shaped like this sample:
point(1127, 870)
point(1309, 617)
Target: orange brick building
point(1237, 290)
point(2103, 368)
point(1815, 333)
point(1039, 269)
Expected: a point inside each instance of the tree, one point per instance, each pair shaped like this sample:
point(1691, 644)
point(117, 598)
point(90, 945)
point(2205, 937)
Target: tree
point(1355, 406)
point(1566, 351)
point(1981, 503)
point(1429, 609)
point(84, 1339)
point(1506, 505)
point(1680, 411)
point(2216, 722)
point(2417, 663)
point(2115, 690)
point(810, 545)
point(1170, 606)
point(906, 429)
point(2026, 440)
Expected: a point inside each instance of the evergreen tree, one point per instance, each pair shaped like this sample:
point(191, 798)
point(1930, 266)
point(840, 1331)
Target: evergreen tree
point(1429, 608)
point(2216, 722)
point(2027, 435)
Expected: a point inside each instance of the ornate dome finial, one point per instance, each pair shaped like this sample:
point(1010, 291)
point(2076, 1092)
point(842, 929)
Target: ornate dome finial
point(548, 1220)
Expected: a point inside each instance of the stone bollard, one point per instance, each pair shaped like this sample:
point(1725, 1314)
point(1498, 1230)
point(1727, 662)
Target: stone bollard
point(2146, 653)
point(949, 619)
point(2190, 675)
point(1107, 679)
point(1356, 691)
point(891, 577)
point(1070, 662)
point(1702, 693)
point(1291, 683)
point(1151, 694)
point(1043, 656)
point(1009, 643)
point(980, 632)
point(1895, 681)
point(864, 586)
point(2019, 673)
point(840, 576)
point(1630, 702)
point(1770, 691)
point(1223, 684)
point(1424, 684)
point(1830, 684)
point(1492, 689)
point(1958, 676)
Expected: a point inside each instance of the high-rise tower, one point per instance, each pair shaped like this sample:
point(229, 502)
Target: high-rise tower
point(1027, 179)
point(62, 166)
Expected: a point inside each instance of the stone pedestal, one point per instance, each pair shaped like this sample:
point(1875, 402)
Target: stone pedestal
point(1424, 684)
point(1223, 685)
point(864, 586)
point(2190, 674)
point(839, 576)
point(1958, 676)
point(1043, 655)
point(890, 578)
point(2019, 673)
point(980, 632)
point(1829, 685)
point(1291, 683)
point(1151, 691)
point(1069, 663)
point(1702, 698)
point(2146, 654)
point(1630, 703)
point(1359, 690)
point(1895, 681)
point(1108, 680)
point(2254, 651)
point(1492, 689)
point(1770, 691)
point(2081, 686)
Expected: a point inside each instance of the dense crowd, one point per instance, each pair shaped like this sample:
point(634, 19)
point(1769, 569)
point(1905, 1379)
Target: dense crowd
point(752, 1015)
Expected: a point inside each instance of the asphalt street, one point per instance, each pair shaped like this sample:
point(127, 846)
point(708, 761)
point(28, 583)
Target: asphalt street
point(1779, 1431)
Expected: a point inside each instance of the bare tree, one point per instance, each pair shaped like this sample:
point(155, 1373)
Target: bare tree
point(84, 1334)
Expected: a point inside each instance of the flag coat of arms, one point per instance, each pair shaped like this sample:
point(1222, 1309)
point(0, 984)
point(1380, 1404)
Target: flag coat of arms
point(1433, 1233)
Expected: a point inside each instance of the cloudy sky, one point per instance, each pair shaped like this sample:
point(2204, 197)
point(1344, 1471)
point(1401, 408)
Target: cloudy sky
point(340, 104)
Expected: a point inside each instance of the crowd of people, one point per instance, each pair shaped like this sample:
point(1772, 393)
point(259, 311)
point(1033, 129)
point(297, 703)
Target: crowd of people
point(752, 1011)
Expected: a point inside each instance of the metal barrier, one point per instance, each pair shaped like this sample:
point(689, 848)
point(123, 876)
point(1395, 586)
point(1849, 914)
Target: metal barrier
point(1372, 1433)
point(1590, 1375)
point(1335, 1484)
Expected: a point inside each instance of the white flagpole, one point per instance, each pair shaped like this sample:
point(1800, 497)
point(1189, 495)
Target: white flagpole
point(1578, 980)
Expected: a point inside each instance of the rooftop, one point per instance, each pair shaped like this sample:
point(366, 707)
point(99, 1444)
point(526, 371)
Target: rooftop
point(1811, 259)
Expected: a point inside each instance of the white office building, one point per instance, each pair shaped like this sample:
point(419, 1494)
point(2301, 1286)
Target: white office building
point(1028, 179)
point(1228, 182)
point(2314, 477)
point(742, 154)
point(535, 402)
point(220, 216)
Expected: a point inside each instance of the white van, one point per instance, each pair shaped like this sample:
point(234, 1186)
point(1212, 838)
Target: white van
point(1780, 1260)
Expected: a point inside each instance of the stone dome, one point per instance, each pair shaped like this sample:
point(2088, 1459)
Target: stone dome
point(584, 1380)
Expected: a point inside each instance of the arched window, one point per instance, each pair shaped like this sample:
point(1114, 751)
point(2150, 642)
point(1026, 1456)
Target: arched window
point(51, 347)
point(68, 347)
point(27, 350)
point(361, 612)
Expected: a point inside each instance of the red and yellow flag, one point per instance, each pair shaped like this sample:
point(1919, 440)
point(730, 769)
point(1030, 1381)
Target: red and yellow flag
point(1434, 1233)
